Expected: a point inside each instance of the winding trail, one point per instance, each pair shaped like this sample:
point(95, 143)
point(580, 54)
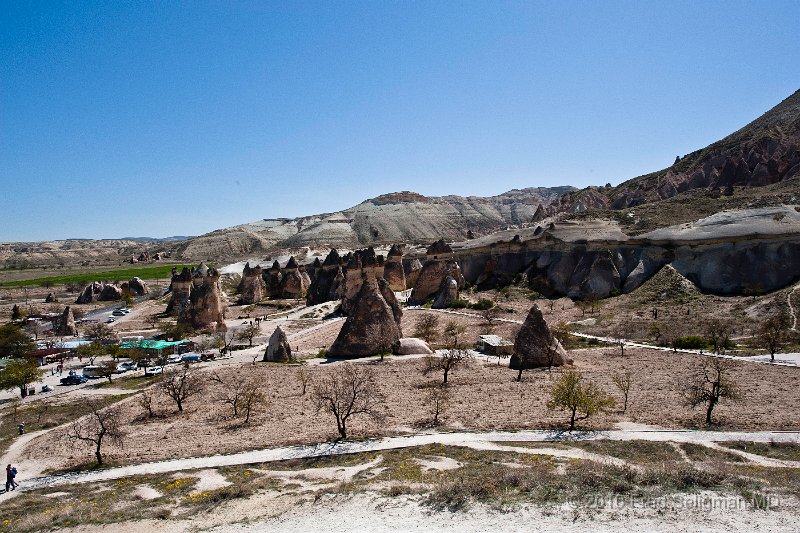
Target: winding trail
point(492, 440)
point(612, 340)
point(791, 307)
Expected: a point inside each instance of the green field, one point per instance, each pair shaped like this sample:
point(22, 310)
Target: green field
point(123, 274)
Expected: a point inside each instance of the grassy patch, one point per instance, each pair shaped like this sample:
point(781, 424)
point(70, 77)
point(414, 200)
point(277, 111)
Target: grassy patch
point(244, 482)
point(44, 414)
point(328, 461)
point(698, 452)
point(117, 501)
point(146, 272)
point(634, 451)
point(90, 503)
point(129, 383)
point(786, 451)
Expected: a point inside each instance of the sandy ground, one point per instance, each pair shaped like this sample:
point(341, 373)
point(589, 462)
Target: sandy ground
point(372, 512)
point(483, 397)
point(203, 467)
point(376, 513)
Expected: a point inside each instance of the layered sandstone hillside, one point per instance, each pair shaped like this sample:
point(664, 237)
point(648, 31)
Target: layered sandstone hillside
point(389, 218)
point(765, 152)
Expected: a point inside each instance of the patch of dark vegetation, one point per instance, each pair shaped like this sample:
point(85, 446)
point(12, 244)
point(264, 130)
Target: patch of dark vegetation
point(785, 451)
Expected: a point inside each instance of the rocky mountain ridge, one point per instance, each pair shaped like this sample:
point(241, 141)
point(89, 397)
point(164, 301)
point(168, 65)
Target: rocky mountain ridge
point(764, 152)
point(394, 217)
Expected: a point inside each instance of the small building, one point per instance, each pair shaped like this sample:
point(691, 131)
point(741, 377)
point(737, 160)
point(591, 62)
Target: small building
point(494, 345)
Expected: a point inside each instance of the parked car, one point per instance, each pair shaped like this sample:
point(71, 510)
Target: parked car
point(46, 388)
point(153, 371)
point(174, 358)
point(118, 312)
point(92, 371)
point(125, 366)
point(110, 320)
point(207, 356)
point(74, 379)
point(190, 358)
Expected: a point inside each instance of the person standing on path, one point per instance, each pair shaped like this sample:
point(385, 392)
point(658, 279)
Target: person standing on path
point(10, 485)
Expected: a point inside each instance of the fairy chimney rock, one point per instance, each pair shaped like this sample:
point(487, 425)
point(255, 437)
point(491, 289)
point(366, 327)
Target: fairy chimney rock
point(371, 327)
point(535, 346)
point(393, 271)
point(278, 349)
point(252, 288)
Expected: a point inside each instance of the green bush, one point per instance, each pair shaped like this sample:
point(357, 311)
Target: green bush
point(690, 342)
point(458, 304)
point(482, 305)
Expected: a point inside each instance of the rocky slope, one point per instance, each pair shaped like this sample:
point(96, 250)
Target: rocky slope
point(389, 218)
point(764, 152)
point(749, 251)
point(77, 251)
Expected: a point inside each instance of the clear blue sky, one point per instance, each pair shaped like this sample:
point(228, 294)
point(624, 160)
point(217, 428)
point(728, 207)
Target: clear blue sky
point(171, 118)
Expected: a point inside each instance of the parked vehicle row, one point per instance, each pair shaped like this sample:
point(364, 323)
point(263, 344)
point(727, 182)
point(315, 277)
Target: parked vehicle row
point(73, 379)
point(96, 371)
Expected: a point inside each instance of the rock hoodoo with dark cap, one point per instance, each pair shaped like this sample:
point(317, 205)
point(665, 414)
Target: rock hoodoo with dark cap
point(372, 326)
point(293, 284)
point(278, 349)
point(393, 271)
point(328, 281)
point(438, 266)
point(197, 298)
point(535, 346)
point(252, 288)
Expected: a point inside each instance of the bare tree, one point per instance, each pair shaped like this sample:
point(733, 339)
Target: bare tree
point(437, 399)
point(304, 378)
point(99, 332)
point(489, 316)
point(453, 331)
point(710, 382)
point(107, 369)
point(621, 334)
point(716, 331)
point(583, 305)
point(146, 402)
point(447, 361)
point(225, 339)
point(623, 383)
point(242, 393)
point(181, 384)
point(427, 328)
point(773, 332)
point(248, 332)
point(347, 391)
point(98, 427)
point(41, 410)
point(252, 395)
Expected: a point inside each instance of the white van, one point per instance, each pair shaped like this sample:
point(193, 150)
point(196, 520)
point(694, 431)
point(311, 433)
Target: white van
point(92, 371)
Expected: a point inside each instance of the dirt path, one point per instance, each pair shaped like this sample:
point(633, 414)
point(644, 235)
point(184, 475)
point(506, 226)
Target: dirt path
point(487, 440)
point(791, 307)
point(754, 359)
point(757, 359)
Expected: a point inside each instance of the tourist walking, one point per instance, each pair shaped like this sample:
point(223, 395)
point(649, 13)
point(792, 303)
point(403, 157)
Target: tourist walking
point(11, 473)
